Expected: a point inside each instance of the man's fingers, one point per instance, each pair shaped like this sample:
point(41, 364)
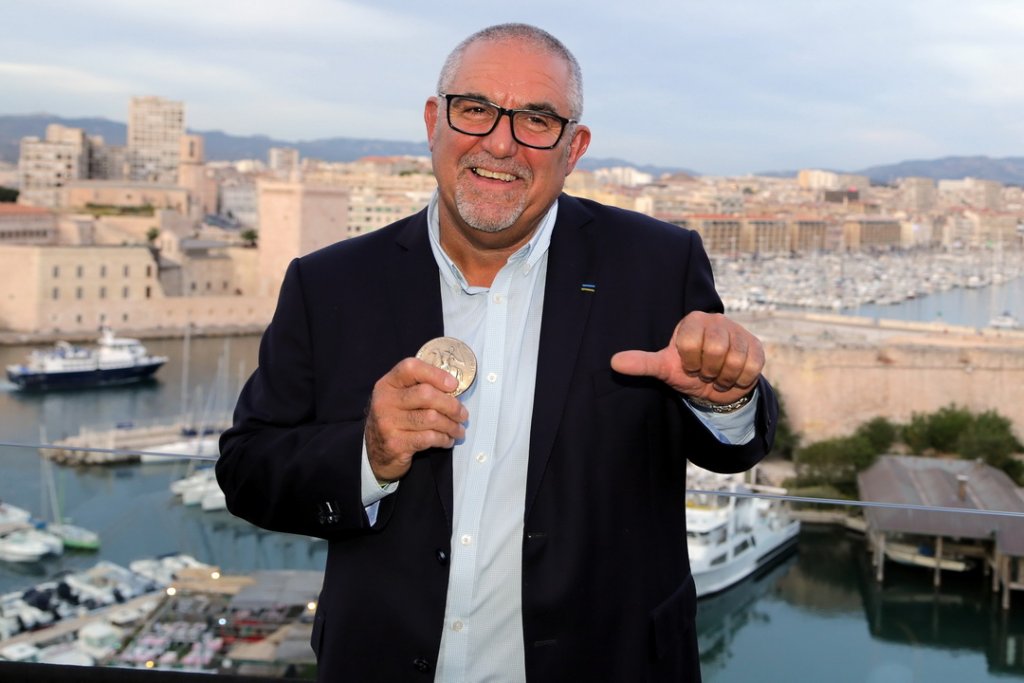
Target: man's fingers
point(412, 371)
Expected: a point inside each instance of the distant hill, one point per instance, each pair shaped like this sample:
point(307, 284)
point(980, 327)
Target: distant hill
point(1008, 170)
point(220, 146)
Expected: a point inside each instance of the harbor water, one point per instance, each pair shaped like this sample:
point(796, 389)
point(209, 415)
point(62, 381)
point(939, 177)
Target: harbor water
point(817, 615)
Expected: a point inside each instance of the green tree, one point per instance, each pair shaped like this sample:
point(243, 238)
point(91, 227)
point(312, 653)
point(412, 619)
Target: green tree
point(250, 237)
point(915, 433)
point(880, 433)
point(786, 440)
point(8, 195)
point(990, 438)
point(152, 234)
point(834, 462)
point(945, 427)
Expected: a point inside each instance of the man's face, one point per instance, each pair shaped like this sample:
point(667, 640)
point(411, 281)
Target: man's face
point(493, 184)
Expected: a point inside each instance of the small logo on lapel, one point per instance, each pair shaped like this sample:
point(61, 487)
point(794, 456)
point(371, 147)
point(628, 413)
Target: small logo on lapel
point(588, 287)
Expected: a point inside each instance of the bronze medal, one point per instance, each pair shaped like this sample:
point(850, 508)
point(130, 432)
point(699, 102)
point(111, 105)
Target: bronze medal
point(454, 357)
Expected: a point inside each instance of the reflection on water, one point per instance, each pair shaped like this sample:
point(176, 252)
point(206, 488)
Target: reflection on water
point(820, 616)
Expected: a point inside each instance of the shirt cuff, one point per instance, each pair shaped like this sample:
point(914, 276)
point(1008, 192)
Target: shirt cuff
point(735, 428)
point(370, 489)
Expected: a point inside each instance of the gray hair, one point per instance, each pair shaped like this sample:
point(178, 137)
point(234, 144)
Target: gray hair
point(527, 33)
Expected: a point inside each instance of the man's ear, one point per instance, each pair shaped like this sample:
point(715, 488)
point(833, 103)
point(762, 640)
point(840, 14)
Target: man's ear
point(431, 111)
point(577, 147)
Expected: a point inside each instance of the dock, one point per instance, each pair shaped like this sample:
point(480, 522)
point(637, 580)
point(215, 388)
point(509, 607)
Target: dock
point(124, 443)
point(987, 534)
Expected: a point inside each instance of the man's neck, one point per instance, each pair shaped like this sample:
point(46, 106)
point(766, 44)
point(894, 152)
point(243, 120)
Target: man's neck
point(479, 260)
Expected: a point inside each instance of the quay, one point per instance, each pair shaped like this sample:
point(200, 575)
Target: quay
point(127, 443)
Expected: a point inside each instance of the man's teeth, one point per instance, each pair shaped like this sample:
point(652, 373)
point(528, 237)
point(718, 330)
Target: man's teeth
point(506, 177)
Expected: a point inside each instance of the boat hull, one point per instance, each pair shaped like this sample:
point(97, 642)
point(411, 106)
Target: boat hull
point(710, 582)
point(38, 381)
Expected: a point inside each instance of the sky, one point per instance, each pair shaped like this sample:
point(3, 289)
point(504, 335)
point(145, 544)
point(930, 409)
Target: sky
point(722, 87)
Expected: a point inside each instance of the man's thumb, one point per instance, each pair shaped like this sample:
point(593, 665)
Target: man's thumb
point(639, 363)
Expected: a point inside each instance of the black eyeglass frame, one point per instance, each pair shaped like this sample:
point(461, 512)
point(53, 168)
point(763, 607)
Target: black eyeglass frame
point(502, 111)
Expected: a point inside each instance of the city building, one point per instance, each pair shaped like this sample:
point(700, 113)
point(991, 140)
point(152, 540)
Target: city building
point(45, 166)
point(155, 127)
point(295, 219)
point(27, 225)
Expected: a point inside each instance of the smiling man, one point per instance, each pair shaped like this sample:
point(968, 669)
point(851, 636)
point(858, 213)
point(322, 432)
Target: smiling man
point(530, 525)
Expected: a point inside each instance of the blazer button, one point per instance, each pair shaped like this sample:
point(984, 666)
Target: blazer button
point(442, 556)
point(421, 665)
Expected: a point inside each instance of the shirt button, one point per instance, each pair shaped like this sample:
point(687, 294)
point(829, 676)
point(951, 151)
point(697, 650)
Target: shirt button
point(457, 625)
point(466, 539)
point(481, 457)
point(492, 377)
point(498, 298)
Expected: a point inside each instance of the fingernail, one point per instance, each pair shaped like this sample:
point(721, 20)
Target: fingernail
point(719, 387)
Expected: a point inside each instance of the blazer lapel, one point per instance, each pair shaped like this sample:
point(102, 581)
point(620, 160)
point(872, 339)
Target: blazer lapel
point(414, 294)
point(569, 289)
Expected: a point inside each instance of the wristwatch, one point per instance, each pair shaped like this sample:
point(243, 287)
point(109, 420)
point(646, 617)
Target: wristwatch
point(707, 406)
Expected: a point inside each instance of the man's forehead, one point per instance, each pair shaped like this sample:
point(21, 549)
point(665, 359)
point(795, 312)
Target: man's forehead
point(511, 68)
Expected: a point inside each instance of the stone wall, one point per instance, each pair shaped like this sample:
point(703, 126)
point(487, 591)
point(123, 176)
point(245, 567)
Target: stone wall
point(836, 373)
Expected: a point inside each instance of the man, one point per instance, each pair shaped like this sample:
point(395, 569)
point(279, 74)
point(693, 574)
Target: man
point(533, 527)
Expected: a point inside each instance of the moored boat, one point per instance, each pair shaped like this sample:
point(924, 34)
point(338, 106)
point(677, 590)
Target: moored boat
point(731, 532)
point(114, 360)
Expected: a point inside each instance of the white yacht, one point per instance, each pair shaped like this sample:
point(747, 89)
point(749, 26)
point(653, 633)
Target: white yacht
point(115, 360)
point(731, 531)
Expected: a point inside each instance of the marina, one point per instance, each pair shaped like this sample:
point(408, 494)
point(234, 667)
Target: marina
point(825, 592)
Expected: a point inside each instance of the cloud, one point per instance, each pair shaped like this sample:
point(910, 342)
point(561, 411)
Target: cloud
point(46, 77)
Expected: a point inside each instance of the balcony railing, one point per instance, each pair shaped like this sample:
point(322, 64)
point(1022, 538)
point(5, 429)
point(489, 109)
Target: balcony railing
point(881, 588)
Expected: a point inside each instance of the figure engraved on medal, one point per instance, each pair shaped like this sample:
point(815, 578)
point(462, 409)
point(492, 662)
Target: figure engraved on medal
point(454, 357)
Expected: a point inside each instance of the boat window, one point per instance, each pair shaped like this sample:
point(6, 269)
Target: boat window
point(741, 546)
point(718, 560)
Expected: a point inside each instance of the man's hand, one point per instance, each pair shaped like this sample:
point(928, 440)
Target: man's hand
point(411, 410)
point(709, 357)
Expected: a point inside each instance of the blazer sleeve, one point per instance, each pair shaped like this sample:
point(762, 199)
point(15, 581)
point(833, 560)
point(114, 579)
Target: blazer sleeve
point(709, 452)
point(281, 467)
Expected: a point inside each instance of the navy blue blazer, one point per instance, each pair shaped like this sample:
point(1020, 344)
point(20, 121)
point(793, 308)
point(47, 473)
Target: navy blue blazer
point(607, 591)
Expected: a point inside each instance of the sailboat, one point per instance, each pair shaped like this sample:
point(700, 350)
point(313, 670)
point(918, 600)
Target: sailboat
point(73, 537)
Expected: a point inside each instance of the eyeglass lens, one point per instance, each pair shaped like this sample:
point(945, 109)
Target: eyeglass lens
point(476, 117)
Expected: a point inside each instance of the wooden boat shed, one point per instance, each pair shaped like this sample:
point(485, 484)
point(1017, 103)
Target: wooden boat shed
point(943, 538)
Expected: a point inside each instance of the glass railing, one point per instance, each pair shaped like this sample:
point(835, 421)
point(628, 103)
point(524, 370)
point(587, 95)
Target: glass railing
point(178, 584)
point(793, 587)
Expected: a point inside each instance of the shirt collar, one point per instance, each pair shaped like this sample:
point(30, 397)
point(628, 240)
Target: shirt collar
point(528, 255)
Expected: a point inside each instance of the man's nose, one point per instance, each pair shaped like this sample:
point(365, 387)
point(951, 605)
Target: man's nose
point(500, 142)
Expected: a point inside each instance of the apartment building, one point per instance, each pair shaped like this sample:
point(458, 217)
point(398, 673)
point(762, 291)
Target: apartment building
point(45, 166)
point(155, 127)
point(871, 232)
point(764, 235)
point(283, 162)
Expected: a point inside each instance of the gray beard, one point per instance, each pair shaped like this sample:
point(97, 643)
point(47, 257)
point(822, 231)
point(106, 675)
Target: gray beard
point(484, 220)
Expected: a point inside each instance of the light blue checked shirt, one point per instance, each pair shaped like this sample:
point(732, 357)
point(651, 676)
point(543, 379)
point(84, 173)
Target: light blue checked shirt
point(483, 631)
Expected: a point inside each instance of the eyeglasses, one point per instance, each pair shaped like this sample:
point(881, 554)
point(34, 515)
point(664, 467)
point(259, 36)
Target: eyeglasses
point(530, 127)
